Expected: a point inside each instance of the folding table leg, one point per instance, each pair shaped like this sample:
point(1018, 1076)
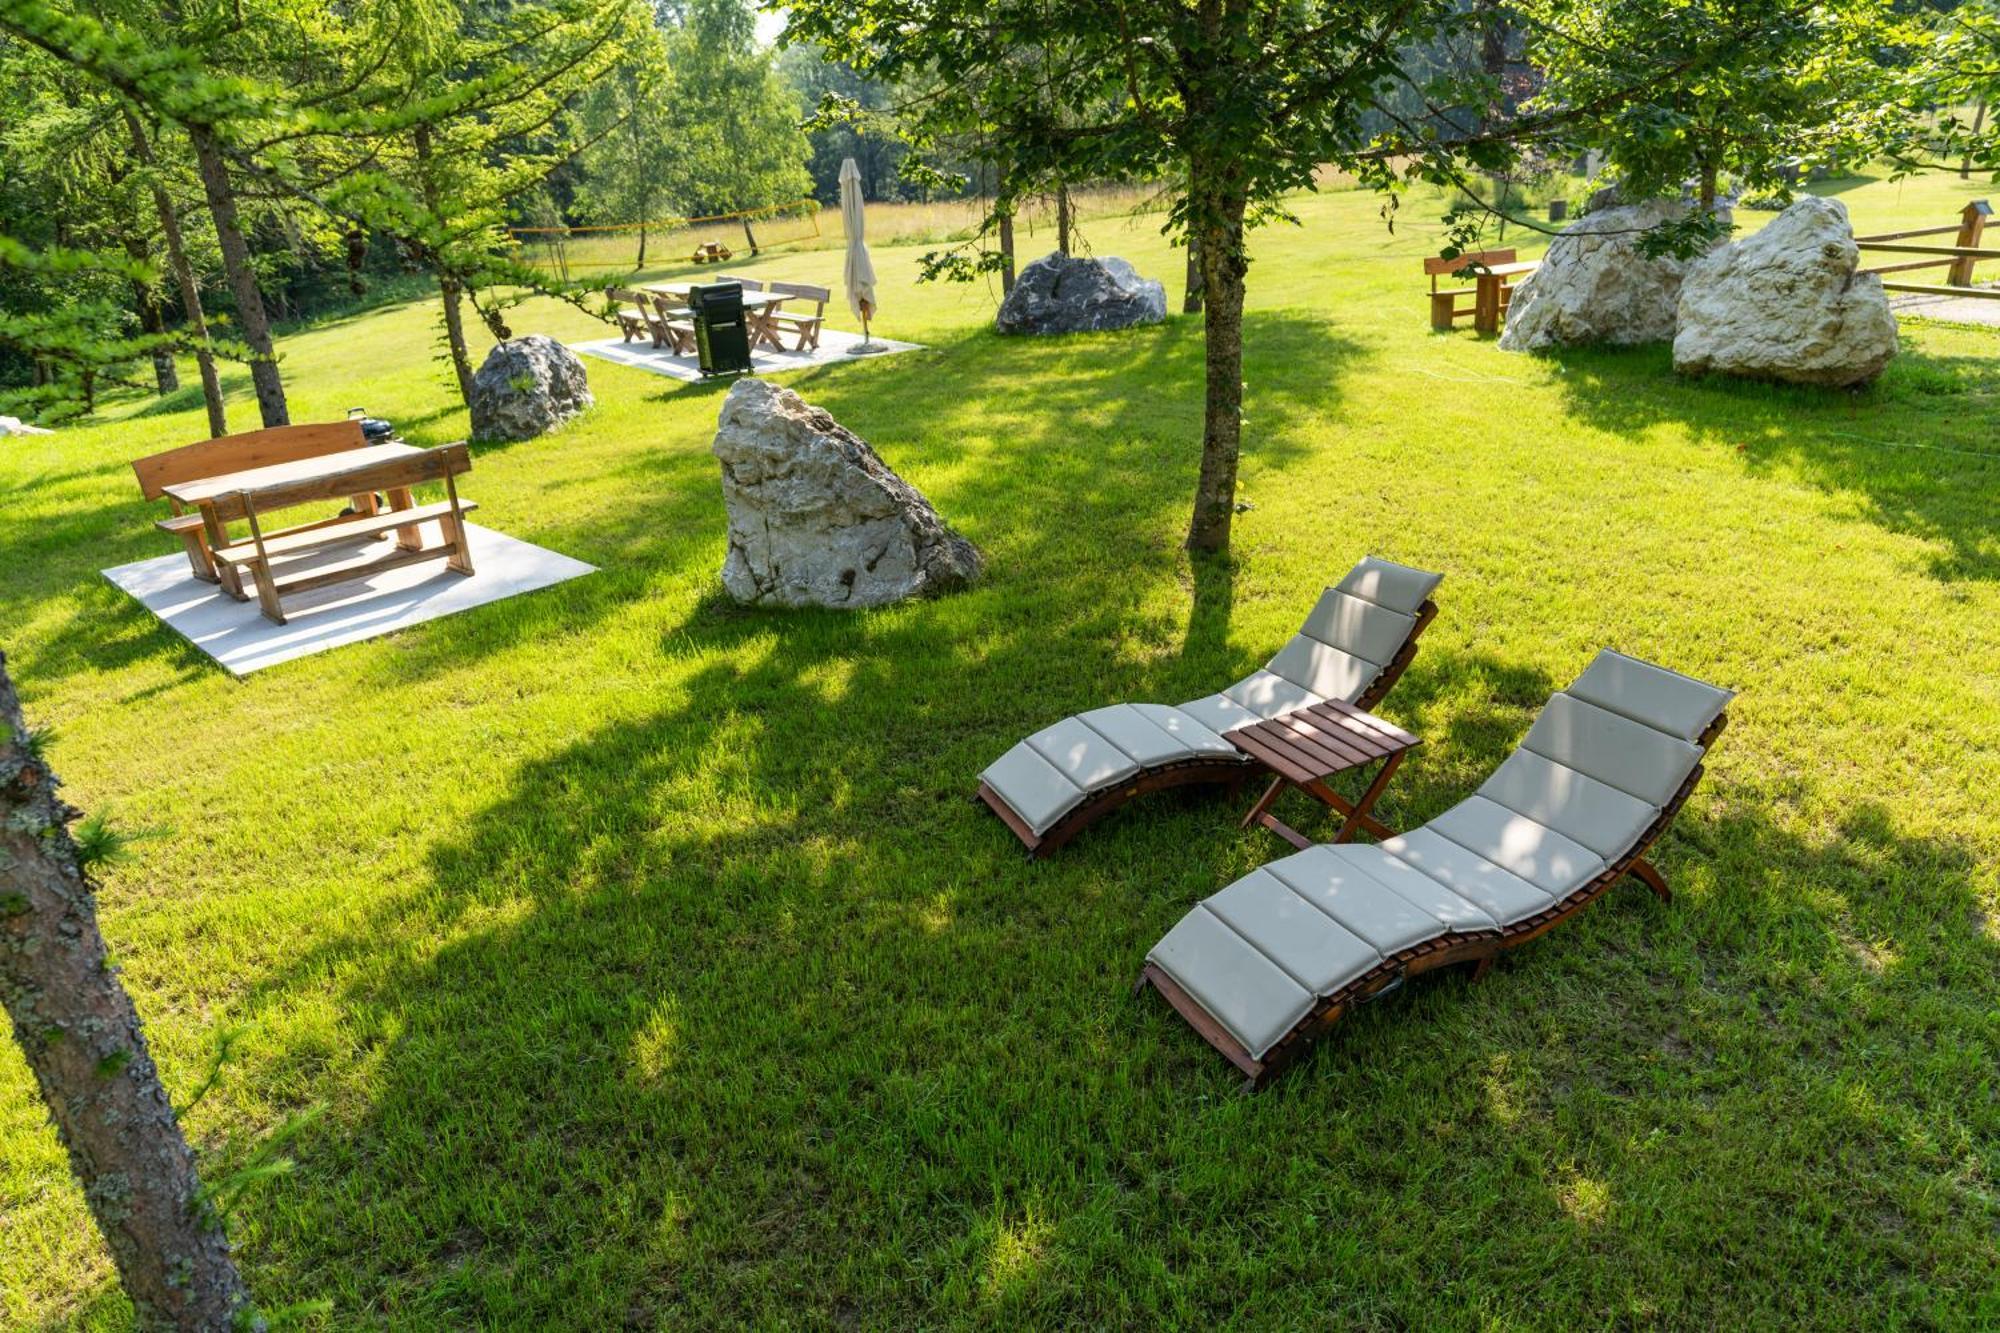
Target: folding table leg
point(1358, 816)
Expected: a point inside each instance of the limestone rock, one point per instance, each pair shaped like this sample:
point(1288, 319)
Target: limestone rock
point(816, 518)
point(527, 387)
point(1061, 293)
point(1596, 286)
point(1786, 304)
point(16, 426)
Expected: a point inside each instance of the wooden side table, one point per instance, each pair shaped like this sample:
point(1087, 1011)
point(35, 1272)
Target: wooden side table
point(1305, 747)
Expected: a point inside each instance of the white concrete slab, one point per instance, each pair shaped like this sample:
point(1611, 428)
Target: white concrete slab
point(236, 634)
point(832, 350)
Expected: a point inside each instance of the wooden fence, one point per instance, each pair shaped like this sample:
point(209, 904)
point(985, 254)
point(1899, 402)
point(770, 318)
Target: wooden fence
point(1957, 258)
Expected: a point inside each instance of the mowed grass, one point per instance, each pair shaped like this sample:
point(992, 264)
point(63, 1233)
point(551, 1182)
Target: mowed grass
point(649, 966)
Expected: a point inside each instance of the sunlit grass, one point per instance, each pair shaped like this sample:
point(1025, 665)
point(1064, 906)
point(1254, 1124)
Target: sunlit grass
point(653, 969)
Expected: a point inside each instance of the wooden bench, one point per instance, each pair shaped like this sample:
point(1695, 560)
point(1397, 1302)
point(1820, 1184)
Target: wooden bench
point(633, 311)
point(267, 557)
point(232, 453)
point(805, 327)
point(1492, 290)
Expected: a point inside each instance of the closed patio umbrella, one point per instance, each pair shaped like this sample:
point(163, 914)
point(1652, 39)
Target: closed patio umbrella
point(860, 270)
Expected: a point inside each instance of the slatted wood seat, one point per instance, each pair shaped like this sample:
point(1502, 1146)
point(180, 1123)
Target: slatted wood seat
point(266, 557)
point(632, 310)
point(1502, 267)
point(1267, 965)
point(673, 323)
point(805, 328)
point(232, 453)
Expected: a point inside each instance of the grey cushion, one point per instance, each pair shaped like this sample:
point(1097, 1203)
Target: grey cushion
point(1268, 695)
point(1036, 790)
point(1240, 988)
point(1134, 733)
point(1323, 669)
point(1631, 756)
point(1451, 910)
point(1362, 904)
point(1505, 896)
point(1574, 804)
point(1386, 583)
point(1081, 755)
point(1545, 858)
point(1187, 730)
point(1356, 625)
point(1665, 700)
point(1220, 713)
point(1314, 950)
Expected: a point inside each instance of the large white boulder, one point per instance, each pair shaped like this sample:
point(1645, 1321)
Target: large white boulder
point(527, 387)
point(816, 518)
point(16, 426)
point(1595, 285)
point(1061, 293)
point(1786, 304)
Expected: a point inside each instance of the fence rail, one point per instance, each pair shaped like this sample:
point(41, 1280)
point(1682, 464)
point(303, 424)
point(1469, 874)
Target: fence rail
point(1958, 258)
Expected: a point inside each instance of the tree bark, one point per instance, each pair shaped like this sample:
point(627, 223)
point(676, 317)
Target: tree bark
point(1708, 178)
point(1063, 219)
point(1006, 230)
point(166, 376)
point(250, 314)
point(83, 1040)
point(177, 260)
point(450, 290)
point(1218, 229)
point(749, 236)
point(1978, 122)
point(1191, 297)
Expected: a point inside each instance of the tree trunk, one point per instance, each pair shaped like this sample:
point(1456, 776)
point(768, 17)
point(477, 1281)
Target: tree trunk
point(1006, 229)
point(1191, 299)
point(454, 329)
point(1218, 223)
point(642, 246)
point(242, 279)
point(1978, 123)
point(1707, 198)
point(1063, 219)
point(177, 260)
point(166, 376)
point(450, 290)
point(82, 1038)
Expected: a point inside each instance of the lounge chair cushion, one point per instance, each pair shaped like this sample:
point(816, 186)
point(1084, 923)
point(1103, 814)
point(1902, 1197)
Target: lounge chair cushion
point(1187, 729)
point(1574, 804)
point(1323, 669)
point(1313, 949)
point(1453, 911)
point(1537, 853)
point(1358, 626)
point(1219, 713)
point(1251, 996)
point(1389, 584)
point(1504, 896)
point(1268, 694)
point(1144, 743)
point(1033, 787)
point(1631, 756)
point(1664, 700)
point(1081, 755)
point(1359, 902)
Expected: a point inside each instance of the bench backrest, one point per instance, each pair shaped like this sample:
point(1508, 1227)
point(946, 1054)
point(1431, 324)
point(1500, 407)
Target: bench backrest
point(749, 284)
point(447, 460)
point(1436, 267)
point(803, 292)
point(625, 296)
point(235, 453)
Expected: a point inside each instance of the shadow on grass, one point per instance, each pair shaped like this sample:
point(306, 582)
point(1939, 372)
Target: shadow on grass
point(741, 1012)
point(1918, 447)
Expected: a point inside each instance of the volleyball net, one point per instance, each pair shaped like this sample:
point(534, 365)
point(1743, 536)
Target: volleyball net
point(574, 253)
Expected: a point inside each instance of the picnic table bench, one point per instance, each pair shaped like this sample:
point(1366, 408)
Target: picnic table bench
point(1493, 275)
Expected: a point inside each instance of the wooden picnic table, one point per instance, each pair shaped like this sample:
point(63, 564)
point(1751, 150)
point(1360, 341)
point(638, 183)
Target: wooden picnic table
point(1305, 747)
point(758, 307)
point(1488, 283)
point(278, 486)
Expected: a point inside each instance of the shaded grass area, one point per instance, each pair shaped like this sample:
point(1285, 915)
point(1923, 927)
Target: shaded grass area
point(653, 968)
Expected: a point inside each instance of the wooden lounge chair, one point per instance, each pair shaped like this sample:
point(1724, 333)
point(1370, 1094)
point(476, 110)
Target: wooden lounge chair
point(233, 453)
point(803, 326)
point(286, 562)
point(1274, 960)
point(1357, 641)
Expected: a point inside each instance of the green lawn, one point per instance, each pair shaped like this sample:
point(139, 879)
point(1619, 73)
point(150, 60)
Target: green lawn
point(649, 965)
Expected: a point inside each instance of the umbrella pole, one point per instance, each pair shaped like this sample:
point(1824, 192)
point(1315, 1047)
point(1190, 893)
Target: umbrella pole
point(865, 346)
